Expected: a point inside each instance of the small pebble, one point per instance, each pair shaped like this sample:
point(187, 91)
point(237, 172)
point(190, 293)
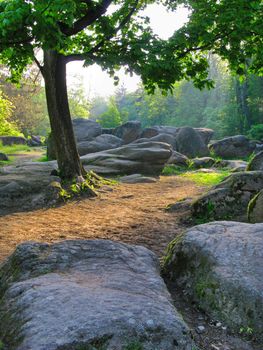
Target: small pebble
point(224, 328)
point(218, 324)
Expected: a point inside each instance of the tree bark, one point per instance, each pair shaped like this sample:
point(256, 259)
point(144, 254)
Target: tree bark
point(54, 73)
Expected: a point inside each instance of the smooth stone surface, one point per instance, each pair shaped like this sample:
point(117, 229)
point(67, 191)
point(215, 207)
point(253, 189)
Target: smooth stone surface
point(220, 266)
point(146, 158)
point(93, 294)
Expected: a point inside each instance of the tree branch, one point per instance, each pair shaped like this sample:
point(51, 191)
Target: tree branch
point(81, 57)
point(91, 15)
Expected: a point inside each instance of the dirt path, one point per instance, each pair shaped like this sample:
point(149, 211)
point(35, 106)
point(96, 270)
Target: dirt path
point(128, 213)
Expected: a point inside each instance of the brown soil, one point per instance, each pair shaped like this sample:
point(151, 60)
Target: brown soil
point(133, 213)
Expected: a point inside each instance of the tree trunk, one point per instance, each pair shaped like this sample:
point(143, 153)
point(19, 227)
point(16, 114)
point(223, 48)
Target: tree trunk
point(54, 73)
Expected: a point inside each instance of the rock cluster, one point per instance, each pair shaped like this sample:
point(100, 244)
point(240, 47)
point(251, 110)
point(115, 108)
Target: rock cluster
point(91, 138)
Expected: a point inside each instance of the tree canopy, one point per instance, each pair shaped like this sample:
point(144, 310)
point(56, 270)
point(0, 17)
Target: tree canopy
point(114, 33)
point(118, 35)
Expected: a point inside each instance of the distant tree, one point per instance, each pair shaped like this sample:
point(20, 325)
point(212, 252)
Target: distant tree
point(121, 37)
point(111, 117)
point(6, 108)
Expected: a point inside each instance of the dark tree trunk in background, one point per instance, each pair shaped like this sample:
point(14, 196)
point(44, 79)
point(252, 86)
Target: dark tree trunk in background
point(54, 72)
point(242, 101)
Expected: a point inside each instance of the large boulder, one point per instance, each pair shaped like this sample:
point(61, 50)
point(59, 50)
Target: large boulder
point(256, 162)
point(86, 129)
point(129, 131)
point(12, 140)
point(87, 294)
point(230, 198)
point(255, 208)
point(144, 158)
point(220, 266)
point(190, 143)
point(99, 143)
point(238, 146)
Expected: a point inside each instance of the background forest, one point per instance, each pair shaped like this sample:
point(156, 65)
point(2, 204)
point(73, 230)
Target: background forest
point(231, 107)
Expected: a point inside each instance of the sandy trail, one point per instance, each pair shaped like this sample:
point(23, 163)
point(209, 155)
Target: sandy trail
point(131, 213)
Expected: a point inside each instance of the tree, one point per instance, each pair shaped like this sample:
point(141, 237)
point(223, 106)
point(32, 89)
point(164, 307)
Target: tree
point(6, 108)
point(94, 32)
point(111, 117)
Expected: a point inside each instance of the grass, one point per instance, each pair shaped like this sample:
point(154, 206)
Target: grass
point(200, 178)
point(44, 158)
point(206, 179)
point(13, 149)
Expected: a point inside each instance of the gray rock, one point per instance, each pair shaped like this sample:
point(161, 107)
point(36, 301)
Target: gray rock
point(129, 131)
point(166, 138)
point(137, 178)
point(230, 198)
point(86, 129)
point(220, 265)
point(190, 143)
point(149, 132)
point(255, 208)
point(204, 162)
point(99, 143)
point(12, 140)
point(235, 146)
point(87, 294)
point(27, 186)
point(206, 134)
point(256, 162)
point(3, 156)
point(146, 158)
point(233, 165)
point(178, 159)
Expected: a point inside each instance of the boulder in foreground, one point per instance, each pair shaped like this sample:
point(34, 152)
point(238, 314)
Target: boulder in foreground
point(220, 265)
point(87, 294)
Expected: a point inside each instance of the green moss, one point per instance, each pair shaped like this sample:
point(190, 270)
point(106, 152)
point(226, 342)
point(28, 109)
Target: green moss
point(167, 258)
point(251, 205)
point(206, 179)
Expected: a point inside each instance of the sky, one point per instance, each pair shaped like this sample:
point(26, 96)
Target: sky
point(97, 82)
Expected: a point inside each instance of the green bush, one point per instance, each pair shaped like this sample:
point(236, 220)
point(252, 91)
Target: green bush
point(256, 132)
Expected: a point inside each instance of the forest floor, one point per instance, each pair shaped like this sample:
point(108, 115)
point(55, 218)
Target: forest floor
point(130, 213)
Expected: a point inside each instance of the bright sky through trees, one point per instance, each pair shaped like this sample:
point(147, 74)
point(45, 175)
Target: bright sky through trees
point(98, 82)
